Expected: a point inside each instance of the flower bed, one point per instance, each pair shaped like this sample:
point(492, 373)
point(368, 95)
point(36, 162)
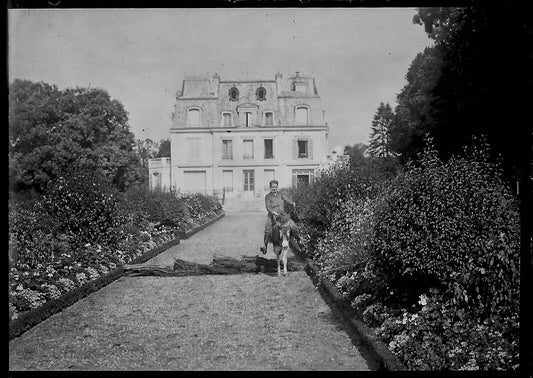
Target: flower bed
point(62, 287)
point(430, 262)
point(82, 228)
point(31, 287)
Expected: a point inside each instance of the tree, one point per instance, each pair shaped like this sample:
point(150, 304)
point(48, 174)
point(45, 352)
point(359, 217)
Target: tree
point(377, 169)
point(146, 149)
point(164, 148)
point(413, 116)
point(358, 149)
point(482, 80)
point(469, 84)
point(379, 135)
point(51, 130)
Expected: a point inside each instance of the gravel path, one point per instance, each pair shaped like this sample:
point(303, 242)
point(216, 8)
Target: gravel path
point(211, 322)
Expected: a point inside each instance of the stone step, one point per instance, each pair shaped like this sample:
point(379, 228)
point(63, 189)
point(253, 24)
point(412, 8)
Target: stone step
point(240, 204)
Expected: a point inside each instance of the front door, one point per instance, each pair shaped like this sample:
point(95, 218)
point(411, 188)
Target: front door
point(249, 183)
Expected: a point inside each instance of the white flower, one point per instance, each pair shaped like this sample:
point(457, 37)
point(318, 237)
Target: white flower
point(423, 300)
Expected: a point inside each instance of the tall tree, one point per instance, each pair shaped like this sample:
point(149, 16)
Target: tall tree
point(51, 130)
point(486, 70)
point(379, 134)
point(413, 116)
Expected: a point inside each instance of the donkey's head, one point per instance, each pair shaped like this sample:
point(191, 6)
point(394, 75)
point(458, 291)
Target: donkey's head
point(284, 230)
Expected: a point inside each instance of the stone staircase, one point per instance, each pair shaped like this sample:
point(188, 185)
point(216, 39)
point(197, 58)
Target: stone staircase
point(244, 204)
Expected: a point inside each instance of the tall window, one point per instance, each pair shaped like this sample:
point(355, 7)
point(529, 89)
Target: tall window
point(269, 149)
point(302, 115)
point(303, 149)
point(193, 117)
point(228, 180)
point(156, 181)
point(194, 149)
point(248, 118)
point(248, 149)
point(226, 119)
point(302, 177)
point(249, 180)
point(269, 119)
point(227, 150)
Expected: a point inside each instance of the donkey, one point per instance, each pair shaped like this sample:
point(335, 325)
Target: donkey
point(280, 237)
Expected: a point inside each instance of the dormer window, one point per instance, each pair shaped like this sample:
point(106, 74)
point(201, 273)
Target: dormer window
point(300, 87)
point(226, 119)
point(260, 94)
point(234, 94)
point(302, 115)
point(269, 119)
point(193, 117)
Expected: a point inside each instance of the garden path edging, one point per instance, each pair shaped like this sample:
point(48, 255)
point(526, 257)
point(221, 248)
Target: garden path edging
point(187, 234)
point(385, 357)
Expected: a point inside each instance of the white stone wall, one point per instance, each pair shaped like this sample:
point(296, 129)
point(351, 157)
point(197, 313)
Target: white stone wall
point(159, 175)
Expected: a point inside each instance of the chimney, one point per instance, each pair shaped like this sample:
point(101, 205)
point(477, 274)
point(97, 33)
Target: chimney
point(278, 82)
point(214, 84)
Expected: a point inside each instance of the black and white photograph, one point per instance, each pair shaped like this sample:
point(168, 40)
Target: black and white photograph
point(298, 188)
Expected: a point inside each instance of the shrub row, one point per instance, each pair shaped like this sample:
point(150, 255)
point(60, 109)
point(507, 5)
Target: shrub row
point(82, 228)
point(319, 203)
point(431, 259)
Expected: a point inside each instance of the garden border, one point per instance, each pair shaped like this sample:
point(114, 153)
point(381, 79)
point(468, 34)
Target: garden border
point(33, 317)
point(385, 357)
point(188, 233)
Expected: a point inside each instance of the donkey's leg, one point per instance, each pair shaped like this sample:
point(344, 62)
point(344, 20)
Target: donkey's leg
point(284, 253)
point(278, 258)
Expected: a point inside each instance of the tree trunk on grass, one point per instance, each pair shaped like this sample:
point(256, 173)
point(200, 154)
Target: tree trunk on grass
point(220, 265)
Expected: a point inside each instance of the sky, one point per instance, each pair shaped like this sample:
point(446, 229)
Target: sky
point(358, 56)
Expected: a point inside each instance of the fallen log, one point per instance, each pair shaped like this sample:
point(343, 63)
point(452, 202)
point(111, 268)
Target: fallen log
point(147, 270)
point(220, 265)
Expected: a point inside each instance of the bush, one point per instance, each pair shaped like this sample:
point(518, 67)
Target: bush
point(430, 259)
point(343, 254)
point(84, 206)
point(319, 201)
point(140, 206)
point(200, 206)
point(455, 223)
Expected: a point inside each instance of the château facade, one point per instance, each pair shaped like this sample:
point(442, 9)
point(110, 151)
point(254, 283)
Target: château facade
point(234, 136)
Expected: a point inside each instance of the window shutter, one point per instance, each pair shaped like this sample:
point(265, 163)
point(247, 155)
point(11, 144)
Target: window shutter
point(294, 179)
point(295, 148)
point(310, 146)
